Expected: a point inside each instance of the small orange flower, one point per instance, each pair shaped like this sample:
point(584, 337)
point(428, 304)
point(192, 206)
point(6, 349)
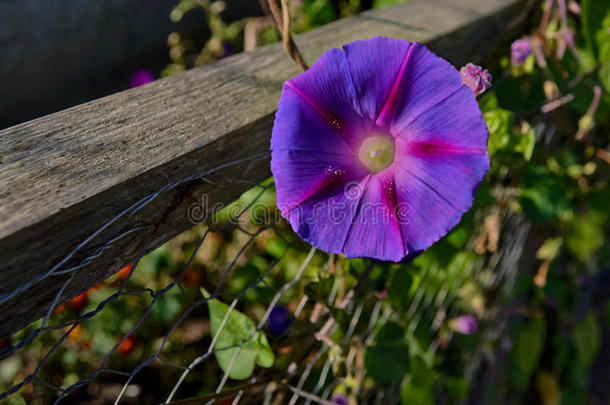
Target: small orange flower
point(75, 334)
point(79, 302)
point(192, 278)
point(127, 346)
point(124, 272)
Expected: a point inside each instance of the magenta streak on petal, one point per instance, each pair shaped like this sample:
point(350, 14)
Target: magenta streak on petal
point(319, 109)
point(387, 111)
point(327, 183)
point(424, 182)
point(389, 197)
point(429, 148)
point(333, 121)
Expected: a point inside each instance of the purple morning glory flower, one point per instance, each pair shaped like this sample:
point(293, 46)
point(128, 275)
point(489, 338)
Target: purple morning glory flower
point(519, 51)
point(475, 77)
point(141, 77)
point(279, 320)
point(465, 324)
point(377, 149)
point(339, 399)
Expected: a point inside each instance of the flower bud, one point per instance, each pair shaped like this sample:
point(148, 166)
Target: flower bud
point(519, 51)
point(476, 78)
point(464, 324)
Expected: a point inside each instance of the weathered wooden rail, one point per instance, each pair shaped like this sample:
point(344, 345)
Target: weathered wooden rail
point(67, 179)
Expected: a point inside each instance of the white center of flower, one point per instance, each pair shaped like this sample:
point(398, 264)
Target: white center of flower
point(376, 152)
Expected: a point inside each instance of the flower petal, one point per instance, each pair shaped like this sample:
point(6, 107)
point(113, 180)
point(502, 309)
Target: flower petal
point(299, 127)
point(370, 88)
point(453, 173)
point(327, 87)
point(426, 81)
point(301, 177)
point(454, 122)
point(426, 216)
point(375, 65)
point(375, 231)
point(436, 186)
point(325, 219)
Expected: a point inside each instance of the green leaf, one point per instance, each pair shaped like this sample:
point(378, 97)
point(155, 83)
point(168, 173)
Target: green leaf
point(548, 388)
point(561, 352)
point(320, 290)
point(526, 352)
point(459, 235)
point(418, 389)
point(604, 76)
point(385, 3)
point(457, 387)
point(318, 12)
point(398, 291)
point(388, 359)
point(596, 30)
point(499, 122)
point(483, 198)
point(549, 249)
point(521, 93)
point(595, 14)
point(525, 143)
point(504, 137)
point(543, 197)
point(488, 102)
point(168, 307)
point(586, 234)
point(255, 350)
point(587, 336)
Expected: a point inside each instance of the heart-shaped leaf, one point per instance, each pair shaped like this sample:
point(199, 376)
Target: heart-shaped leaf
point(238, 330)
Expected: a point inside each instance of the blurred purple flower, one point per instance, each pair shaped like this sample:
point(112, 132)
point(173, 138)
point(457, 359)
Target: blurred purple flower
point(227, 49)
point(141, 77)
point(464, 324)
point(519, 51)
point(279, 320)
point(476, 78)
point(339, 399)
point(377, 149)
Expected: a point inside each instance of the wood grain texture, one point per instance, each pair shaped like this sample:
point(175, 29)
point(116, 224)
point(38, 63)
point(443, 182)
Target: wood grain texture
point(66, 175)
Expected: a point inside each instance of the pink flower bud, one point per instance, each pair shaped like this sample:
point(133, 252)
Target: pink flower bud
point(519, 51)
point(476, 78)
point(464, 324)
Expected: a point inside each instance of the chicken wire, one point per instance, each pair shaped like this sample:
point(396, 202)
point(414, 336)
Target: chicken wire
point(309, 377)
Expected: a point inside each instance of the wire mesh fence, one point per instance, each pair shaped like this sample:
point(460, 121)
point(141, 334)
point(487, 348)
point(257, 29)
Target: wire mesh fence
point(147, 334)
